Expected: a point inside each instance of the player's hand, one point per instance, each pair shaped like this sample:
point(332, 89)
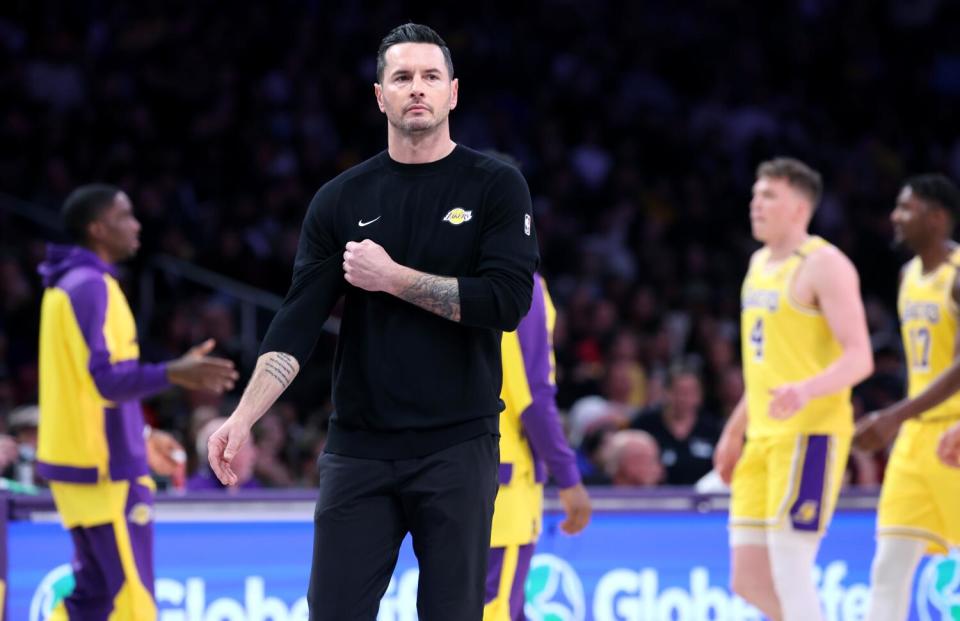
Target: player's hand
point(576, 506)
point(948, 449)
point(366, 265)
point(875, 431)
point(196, 370)
point(223, 446)
point(787, 400)
point(726, 455)
point(164, 454)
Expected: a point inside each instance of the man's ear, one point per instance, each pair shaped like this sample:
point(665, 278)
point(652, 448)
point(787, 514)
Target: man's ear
point(378, 93)
point(945, 219)
point(454, 92)
point(95, 231)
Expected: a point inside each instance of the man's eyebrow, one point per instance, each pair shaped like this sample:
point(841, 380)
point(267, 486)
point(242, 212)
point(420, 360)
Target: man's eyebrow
point(401, 70)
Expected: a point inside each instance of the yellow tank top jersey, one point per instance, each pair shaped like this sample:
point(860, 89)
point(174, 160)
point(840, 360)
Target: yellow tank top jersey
point(928, 326)
point(785, 342)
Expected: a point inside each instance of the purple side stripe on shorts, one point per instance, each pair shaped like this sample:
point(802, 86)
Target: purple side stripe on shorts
point(807, 510)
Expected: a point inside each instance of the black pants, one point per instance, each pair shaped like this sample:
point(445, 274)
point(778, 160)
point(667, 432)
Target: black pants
point(367, 506)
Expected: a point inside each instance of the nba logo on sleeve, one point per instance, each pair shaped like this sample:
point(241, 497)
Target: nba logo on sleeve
point(526, 224)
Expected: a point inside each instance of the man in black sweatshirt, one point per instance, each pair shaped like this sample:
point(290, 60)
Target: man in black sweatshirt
point(433, 247)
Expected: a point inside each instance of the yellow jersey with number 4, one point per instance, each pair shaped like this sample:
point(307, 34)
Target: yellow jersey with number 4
point(928, 326)
point(785, 342)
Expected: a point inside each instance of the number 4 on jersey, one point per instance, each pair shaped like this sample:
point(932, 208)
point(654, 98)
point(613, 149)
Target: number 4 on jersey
point(756, 340)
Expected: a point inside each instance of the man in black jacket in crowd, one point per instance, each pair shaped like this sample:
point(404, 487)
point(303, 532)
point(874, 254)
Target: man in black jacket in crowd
point(686, 438)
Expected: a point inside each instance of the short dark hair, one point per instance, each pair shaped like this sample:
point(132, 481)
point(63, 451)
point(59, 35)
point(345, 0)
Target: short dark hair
point(412, 33)
point(938, 190)
point(796, 173)
point(83, 206)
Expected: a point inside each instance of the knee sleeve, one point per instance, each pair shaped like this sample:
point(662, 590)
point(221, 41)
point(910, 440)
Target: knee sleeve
point(891, 577)
point(792, 556)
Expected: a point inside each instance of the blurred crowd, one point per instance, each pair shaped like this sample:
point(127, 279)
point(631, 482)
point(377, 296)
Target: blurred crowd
point(638, 127)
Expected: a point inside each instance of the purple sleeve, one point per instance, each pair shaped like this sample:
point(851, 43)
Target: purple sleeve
point(541, 421)
point(127, 380)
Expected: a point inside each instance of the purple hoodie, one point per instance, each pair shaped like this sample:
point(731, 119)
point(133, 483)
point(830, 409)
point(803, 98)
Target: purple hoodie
point(84, 277)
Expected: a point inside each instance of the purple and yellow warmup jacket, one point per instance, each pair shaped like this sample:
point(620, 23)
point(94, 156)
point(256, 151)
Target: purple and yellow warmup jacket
point(532, 443)
point(91, 378)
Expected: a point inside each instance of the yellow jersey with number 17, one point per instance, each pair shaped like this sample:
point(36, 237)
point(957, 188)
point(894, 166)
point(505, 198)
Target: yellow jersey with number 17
point(928, 326)
point(785, 342)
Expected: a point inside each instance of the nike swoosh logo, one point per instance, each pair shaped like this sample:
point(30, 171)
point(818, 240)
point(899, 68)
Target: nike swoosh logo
point(362, 223)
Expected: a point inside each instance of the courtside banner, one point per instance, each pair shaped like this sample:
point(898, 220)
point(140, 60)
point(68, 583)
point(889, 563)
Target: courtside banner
point(251, 562)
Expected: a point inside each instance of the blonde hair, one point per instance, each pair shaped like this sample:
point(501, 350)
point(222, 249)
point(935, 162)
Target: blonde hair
point(800, 176)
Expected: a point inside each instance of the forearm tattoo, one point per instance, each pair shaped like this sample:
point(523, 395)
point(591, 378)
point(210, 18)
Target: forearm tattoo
point(438, 294)
point(280, 366)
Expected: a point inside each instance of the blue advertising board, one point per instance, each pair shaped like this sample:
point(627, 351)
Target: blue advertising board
point(627, 566)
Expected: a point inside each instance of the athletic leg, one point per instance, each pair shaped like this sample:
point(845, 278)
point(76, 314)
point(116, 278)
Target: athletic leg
point(751, 574)
point(891, 577)
point(792, 557)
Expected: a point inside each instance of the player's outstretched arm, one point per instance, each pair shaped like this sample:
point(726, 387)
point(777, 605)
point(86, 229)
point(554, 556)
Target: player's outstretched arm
point(274, 372)
point(836, 286)
point(198, 370)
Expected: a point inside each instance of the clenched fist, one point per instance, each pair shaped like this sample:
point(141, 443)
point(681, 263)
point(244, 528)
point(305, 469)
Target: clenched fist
point(367, 266)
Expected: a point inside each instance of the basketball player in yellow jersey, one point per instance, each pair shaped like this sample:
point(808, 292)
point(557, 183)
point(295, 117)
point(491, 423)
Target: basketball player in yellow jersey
point(920, 501)
point(805, 343)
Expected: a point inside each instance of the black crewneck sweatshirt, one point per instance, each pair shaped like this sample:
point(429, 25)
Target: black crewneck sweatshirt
point(406, 382)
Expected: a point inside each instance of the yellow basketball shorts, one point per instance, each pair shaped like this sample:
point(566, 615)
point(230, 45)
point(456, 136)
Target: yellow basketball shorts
point(789, 480)
point(921, 495)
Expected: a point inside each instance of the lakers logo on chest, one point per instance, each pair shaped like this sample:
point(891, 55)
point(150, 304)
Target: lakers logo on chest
point(458, 216)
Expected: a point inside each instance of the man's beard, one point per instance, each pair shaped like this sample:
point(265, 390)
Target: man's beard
point(418, 125)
